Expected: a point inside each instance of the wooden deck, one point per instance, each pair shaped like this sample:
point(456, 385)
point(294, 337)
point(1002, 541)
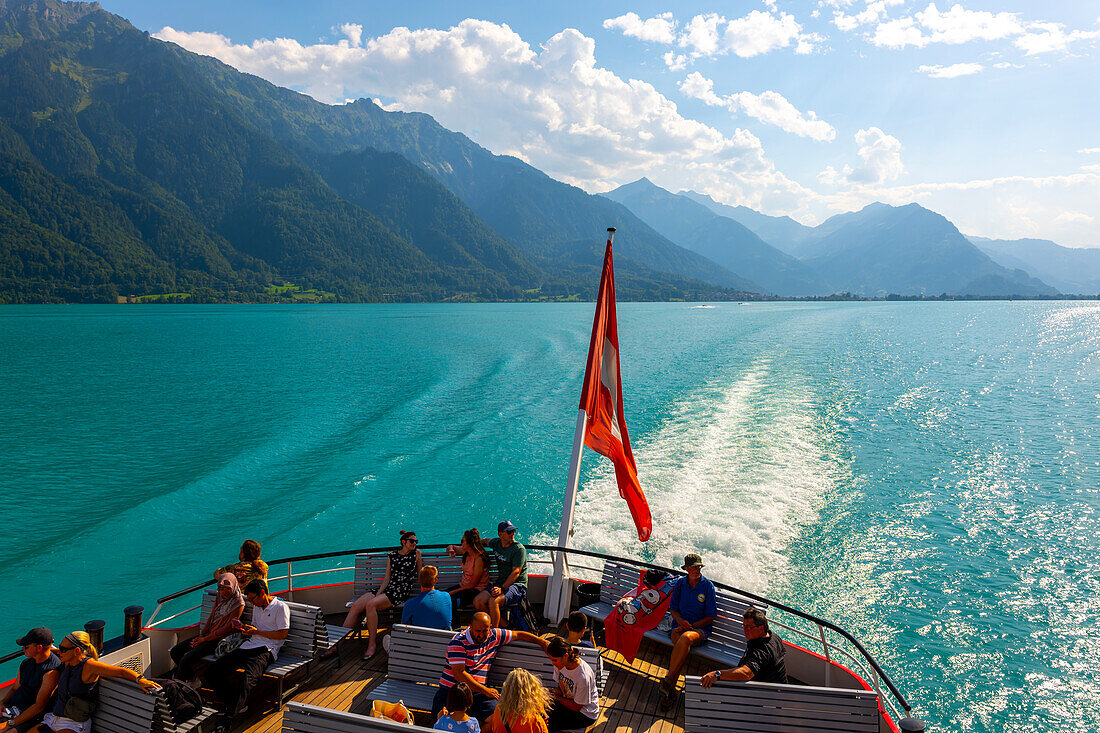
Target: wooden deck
point(629, 704)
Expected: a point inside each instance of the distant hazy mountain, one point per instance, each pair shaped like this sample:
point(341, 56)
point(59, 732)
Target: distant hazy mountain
point(695, 226)
point(781, 232)
point(1071, 270)
point(908, 250)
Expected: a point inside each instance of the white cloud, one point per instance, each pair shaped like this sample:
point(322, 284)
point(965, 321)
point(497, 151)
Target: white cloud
point(955, 26)
point(950, 72)
point(1092, 167)
point(552, 106)
point(874, 12)
point(675, 61)
point(659, 29)
point(1088, 151)
point(1047, 37)
point(881, 154)
point(769, 107)
point(711, 34)
point(1073, 217)
point(353, 31)
point(1007, 65)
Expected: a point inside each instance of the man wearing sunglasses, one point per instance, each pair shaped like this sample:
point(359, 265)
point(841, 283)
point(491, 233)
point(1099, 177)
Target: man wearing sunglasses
point(764, 658)
point(26, 699)
point(263, 639)
point(511, 583)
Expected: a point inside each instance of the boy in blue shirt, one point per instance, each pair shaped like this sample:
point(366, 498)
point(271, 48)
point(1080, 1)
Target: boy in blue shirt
point(432, 608)
point(693, 606)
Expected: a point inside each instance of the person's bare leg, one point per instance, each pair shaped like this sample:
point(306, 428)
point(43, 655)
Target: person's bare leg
point(481, 600)
point(351, 621)
point(379, 603)
point(680, 654)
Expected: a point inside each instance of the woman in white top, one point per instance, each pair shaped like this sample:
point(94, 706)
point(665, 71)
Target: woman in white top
point(576, 702)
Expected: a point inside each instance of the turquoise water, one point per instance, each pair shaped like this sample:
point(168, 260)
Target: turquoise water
point(925, 474)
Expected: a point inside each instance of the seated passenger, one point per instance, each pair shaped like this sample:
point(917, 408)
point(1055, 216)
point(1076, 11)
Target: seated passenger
point(511, 582)
point(469, 655)
point(523, 706)
point(432, 608)
point(228, 605)
point(694, 606)
point(576, 701)
point(455, 717)
point(398, 585)
point(577, 631)
point(78, 684)
point(764, 657)
point(27, 698)
point(263, 640)
point(249, 567)
point(475, 568)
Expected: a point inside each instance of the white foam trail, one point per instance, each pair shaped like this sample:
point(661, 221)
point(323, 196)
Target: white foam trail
point(733, 474)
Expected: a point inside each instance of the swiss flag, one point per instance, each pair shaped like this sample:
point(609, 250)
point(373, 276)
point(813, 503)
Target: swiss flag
point(602, 401)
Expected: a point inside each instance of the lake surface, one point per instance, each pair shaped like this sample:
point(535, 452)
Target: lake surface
point(924, 474)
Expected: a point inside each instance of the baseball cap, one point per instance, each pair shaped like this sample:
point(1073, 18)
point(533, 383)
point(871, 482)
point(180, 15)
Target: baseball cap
point(506, 526)
point(40, 635)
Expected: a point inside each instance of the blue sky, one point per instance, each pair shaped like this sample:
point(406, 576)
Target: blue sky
point(984, 111)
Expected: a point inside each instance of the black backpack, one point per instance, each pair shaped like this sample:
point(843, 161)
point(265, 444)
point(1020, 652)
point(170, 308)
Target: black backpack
point(183, 701)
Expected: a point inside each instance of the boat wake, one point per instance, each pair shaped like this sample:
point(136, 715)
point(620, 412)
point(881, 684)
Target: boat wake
point(733, 473)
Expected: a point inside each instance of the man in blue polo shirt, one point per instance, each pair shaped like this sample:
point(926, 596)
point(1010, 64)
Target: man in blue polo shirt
point(694, 607)
point(432, 608)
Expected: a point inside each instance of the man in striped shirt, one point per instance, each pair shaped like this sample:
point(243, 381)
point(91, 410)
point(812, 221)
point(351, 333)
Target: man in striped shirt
point(469, 656)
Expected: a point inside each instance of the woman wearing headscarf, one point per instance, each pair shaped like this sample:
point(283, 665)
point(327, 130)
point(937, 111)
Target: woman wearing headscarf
point(79, 684)
point(228, 605)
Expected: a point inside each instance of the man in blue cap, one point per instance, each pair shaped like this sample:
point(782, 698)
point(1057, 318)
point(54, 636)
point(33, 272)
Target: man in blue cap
point(511, 582)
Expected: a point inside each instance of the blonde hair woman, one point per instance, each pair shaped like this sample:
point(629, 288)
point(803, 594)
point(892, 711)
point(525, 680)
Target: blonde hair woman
point(77, 687)
point(524, 704)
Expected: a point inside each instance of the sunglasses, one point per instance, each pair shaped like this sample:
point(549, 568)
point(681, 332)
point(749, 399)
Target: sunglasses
point(413, 541)
point(63, 649)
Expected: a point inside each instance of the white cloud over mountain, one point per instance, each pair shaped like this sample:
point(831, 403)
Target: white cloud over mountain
point(881, 154)
point(554, 106)
point(769, 107)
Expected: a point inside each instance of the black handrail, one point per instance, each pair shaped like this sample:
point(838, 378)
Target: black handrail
point(602, 556)
point(9, 657)
point(746, 594)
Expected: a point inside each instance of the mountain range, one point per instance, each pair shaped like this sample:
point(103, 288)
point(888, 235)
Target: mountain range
point(131, 166)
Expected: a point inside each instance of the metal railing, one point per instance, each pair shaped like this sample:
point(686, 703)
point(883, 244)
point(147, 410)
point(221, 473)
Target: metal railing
point(861, 662)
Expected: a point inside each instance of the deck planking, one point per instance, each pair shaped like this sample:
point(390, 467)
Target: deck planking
point(629, 703)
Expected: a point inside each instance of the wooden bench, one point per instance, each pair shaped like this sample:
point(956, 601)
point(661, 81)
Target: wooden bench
point(417, 657)
point(726, 644)
point(301, 718)
point(123, 707)
point(761, 707)
point(307, 639)
point(370, 569)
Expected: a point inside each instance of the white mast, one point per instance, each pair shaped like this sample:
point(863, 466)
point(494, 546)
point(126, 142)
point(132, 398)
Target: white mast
point(556, 602)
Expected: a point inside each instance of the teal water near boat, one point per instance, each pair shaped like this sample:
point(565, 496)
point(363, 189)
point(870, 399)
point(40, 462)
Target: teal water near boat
point(924, 474)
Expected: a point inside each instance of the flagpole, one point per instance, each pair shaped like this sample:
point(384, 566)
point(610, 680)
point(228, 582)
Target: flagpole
point(557, 597)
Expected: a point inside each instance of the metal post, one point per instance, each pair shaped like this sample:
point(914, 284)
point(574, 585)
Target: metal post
point(556, 602)
point(131, 629)
point(290, 580)
point(828, 661)
point(95, 633)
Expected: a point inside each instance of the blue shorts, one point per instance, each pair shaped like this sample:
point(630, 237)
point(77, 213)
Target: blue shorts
point(514, 593)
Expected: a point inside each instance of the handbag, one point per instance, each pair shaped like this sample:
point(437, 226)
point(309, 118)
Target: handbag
point(78, 708)
point(228, 644)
